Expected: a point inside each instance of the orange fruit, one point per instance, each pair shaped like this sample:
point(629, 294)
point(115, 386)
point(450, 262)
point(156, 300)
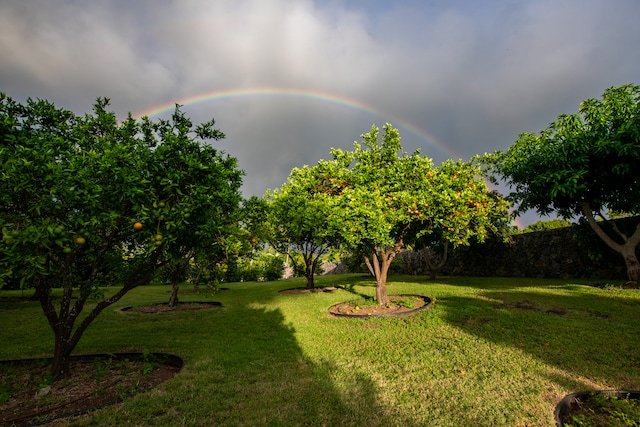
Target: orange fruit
point(137, 226)
point(80, 240)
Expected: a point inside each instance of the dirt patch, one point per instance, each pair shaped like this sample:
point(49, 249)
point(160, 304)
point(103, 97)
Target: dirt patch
point(399, 306)
point(309, 291)
point(29, 397)
point(165, 308)
point(528, 305)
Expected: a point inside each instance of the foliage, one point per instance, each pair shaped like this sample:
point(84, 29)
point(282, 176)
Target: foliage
point(263, 265)
point(273, 269)
point(255, 223)
point(203, 271)
point(549, 224)
point(354, 262)
point(300, 217)
point(469, 212)
point(384, 199)
point(582, 165)
point(102, 202)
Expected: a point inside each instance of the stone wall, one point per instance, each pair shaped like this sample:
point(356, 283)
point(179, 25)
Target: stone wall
point(570, 252)
point(565, 253)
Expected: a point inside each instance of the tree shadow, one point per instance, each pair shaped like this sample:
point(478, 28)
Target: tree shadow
point(244, 366)
point(286, 386)
point(351, 288)
point(581, 334)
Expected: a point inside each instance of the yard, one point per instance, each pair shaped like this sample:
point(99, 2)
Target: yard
point(490, 352)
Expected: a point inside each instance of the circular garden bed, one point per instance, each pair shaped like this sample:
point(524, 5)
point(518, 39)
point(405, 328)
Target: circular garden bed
point(28, 396)
point(165, 307)
point(402, 305)
point(309, 290)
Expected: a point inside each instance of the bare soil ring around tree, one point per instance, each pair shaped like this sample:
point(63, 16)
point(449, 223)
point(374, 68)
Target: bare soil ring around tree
point(166, 308)
point(28, 396)
point(402, 305)
point(309, 290)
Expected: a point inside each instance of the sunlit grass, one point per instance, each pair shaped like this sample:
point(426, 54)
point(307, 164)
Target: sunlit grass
point(491, 352)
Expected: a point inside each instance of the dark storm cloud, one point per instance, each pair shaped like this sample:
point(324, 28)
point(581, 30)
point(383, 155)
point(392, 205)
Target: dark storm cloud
point(470, 74)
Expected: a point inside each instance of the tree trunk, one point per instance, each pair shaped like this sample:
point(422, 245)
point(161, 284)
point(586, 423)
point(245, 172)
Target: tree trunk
point(627, 249)
point(61, 357)
point(379, 268)
point(311, 254)
point(309, 271)
point(196, 280)
point(62, 326)
point(633, 266)
point(37, 294)
point(431, 263)
point(62, 323)
point(381, 291)
point(310, 280)
point(173, 299)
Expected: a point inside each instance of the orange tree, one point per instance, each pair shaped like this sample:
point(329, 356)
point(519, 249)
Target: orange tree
point(585, 165)
point(88, 202)
point(197, 190)
point(383, 199)
point(466, 210)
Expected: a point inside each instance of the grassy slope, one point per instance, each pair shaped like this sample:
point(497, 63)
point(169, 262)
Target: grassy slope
point(477, 358)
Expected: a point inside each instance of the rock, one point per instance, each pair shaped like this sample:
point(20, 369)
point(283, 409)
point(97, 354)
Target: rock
point(43, 391)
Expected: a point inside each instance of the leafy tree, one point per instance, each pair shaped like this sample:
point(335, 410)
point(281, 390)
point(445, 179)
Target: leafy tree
point(267, 265)
point(582, 165)
point(213, 182)
point(300, 217)
point(255, 222)
point(87, 202)
point(471, 212)
point(384, 199)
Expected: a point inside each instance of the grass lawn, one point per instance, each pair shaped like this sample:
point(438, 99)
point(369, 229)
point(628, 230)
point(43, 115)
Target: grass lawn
point(491, 352)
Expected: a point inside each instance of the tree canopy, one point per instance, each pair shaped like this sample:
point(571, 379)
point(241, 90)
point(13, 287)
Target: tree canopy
point(382, 199)
point(301, 218)
point(88, 201)
point(583, 164)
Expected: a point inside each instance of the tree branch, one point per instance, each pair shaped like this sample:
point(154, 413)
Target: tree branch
point(586, 210)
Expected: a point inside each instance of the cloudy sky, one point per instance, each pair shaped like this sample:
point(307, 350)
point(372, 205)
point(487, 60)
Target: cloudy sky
point(286, 80)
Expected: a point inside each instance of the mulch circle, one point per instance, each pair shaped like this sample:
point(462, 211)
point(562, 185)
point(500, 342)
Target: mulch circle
point(575, 403)
point(308, 290)
point(352, 310)
point(94, 381)
point(165, 308)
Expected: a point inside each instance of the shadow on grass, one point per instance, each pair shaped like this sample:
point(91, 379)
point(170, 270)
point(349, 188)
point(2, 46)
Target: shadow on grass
point(280, 386)
point(586, 335)
point(351, 288)
point(244, 367)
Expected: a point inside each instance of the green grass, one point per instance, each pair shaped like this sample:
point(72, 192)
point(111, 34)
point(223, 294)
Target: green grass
point(491, 352)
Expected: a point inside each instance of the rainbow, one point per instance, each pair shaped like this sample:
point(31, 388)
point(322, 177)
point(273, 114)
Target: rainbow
point(298, 93)
point(202, 98)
